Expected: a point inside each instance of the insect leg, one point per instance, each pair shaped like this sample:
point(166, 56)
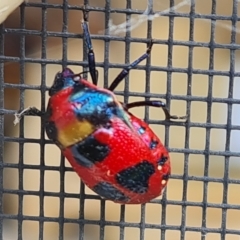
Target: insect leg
point(32, 111)
point(126, 70)
point(91, 55)
point(158, 104)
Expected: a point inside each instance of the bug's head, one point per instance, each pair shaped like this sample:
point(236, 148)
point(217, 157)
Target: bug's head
point(62, 80)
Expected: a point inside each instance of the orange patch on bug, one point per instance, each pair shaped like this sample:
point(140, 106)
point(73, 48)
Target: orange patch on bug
point(75, 132)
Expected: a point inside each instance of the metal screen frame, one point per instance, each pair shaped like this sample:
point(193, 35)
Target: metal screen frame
point(22, 32)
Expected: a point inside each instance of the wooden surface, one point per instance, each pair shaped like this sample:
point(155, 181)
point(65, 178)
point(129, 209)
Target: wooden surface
point(7, 7)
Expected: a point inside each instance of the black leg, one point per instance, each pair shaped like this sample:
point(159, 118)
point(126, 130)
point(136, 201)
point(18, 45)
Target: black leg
point(158, 104)
point(91, 56)
point(126, 70)
point(32, 111)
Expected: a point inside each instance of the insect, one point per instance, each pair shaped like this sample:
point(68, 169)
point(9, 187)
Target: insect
point(115, 154)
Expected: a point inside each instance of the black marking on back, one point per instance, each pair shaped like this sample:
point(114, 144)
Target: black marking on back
point(162, 160)
point(102, 114)
point(136, 178)
point(109, 192)
point(153, 144)
point(90, 151)
point(51, 130)
point(50, 126)
point(166, 176)
point(78, 87)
